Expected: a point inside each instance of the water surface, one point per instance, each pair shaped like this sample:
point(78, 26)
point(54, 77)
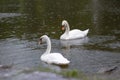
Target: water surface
point(23, 22)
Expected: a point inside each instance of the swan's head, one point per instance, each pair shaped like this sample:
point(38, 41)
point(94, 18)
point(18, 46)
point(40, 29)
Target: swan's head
point(42, 39)
point(64, 24)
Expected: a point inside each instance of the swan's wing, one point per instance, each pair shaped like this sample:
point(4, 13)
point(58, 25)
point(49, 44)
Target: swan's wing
point(55, 58)
point(58, 56)
point(76, 33)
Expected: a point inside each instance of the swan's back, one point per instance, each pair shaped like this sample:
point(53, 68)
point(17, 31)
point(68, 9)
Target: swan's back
point(54, 58)
point(76, 33)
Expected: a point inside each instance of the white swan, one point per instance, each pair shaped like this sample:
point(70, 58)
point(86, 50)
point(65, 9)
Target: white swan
point(73, 34)
point(52, 58)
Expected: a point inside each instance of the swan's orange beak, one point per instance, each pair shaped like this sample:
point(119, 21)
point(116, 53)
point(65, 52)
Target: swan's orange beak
point(63, 28)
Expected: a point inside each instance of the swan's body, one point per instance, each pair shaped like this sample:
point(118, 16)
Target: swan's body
point(73, 34)
point(52, 58)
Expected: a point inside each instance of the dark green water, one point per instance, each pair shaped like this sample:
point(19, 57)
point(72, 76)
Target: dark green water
point(23, 22)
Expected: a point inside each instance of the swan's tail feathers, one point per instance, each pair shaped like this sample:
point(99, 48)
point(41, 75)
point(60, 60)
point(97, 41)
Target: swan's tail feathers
point(65, 62)
point(86, 32)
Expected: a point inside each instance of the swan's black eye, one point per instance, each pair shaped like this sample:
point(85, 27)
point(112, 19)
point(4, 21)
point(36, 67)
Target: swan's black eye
point(40, 40)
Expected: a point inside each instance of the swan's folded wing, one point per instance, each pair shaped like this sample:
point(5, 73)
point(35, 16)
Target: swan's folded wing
point(56, 58)
point(76, 34)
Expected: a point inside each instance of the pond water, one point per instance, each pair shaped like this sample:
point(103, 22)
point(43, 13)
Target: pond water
point(23, 22)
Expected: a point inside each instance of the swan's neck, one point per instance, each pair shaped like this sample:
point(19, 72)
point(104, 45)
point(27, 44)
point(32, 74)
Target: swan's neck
point(67, 29)
point(48, 46)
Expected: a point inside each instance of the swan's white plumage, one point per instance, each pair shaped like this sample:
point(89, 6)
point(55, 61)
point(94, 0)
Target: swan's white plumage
point(72, 34)
point(52, 58)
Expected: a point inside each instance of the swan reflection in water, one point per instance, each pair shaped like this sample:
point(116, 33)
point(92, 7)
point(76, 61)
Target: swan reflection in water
point(66, 44)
